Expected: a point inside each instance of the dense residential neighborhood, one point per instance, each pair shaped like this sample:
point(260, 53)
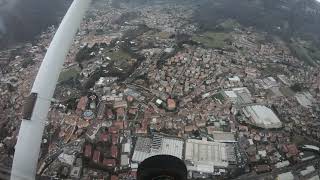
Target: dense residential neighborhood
point(144, 80)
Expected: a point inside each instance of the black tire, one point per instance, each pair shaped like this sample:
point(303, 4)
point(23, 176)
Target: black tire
point(162, 167)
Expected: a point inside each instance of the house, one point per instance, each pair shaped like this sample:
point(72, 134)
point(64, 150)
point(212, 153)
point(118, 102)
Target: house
point(82, 104)
point(96, 156)
point(114, 138)
point(109, 162)
point(114, 151)
point(88, 151)
point(290, 150)
point(171, 104)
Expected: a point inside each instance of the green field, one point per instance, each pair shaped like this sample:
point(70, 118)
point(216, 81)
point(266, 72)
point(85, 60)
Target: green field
point(229, 25)
point(213, 39)
point(119, 55)
point(121, 59)
point(68, 74)
point(313, 51)
point(273, 69)
point(218, 96)
point(163, 35)
point(307, 53)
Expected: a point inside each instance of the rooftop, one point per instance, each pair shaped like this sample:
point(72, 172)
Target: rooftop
point(147, 147)
point(204, 155)
point(286, 176)
point(219, 136)
point(262, 116)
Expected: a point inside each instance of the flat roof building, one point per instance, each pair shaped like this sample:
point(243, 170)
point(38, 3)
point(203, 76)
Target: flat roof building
point(157, 145)
point(226, 137)
point(204, 156)
point(238, 95)
point(109, 162)
point(305, 99)
point(124, 160)
point(75, 172)
point(285, 176)
point(96, 156)
point(88, 151)
point(262, 116)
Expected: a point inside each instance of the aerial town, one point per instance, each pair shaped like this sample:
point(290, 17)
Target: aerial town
point(142, 81)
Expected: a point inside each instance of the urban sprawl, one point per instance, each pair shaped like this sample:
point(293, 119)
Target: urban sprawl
point(143, 80)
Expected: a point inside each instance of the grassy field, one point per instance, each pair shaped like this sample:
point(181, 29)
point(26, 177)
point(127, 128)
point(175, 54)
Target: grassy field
point(68, 74)
point(218, 96)
point(121, 59)
point(312, 50)
point(273, 69)
point(119, 55)
point(213, 39)
point(163, 35)
point(303, 53)
point(230, 25)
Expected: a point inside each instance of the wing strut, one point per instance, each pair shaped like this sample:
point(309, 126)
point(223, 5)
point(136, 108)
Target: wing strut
point(30, 135)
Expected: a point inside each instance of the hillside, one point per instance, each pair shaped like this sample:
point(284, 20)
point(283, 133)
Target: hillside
point(295, 21)
point(287, 18)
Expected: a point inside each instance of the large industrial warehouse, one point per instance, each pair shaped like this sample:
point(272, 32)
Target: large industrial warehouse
point(157, 145)
point(205, 156)
point(261, 116)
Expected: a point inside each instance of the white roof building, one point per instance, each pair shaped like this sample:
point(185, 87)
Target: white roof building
point(282, 164)
point(126, 147)
point(268, 82)
point(305, 99)
point(226, 137)
point(147, 147)
point(311, 147)
point(285, 176)
point(205, 155)
point(124, 160)
point(75, 172)
point(284, 79)
point(238, 95)
point(262, 116)
point(66, 158)
point(231, 95)
point(234, 79)
point(307, 171)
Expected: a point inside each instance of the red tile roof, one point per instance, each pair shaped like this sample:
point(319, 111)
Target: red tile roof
point(82, 103)
point(133, 173)
point(114, 177)
point(96, 156)
point(133, 111)
point(171, 104)
point(130, 98)
point(113, 130)
point(109, 114)
point(115, 138)
point(109, 162)
point(88, 151)
point(114, 151)
point(120, 124)
point(120, 112)
point(104, 137)
point(291, 150)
